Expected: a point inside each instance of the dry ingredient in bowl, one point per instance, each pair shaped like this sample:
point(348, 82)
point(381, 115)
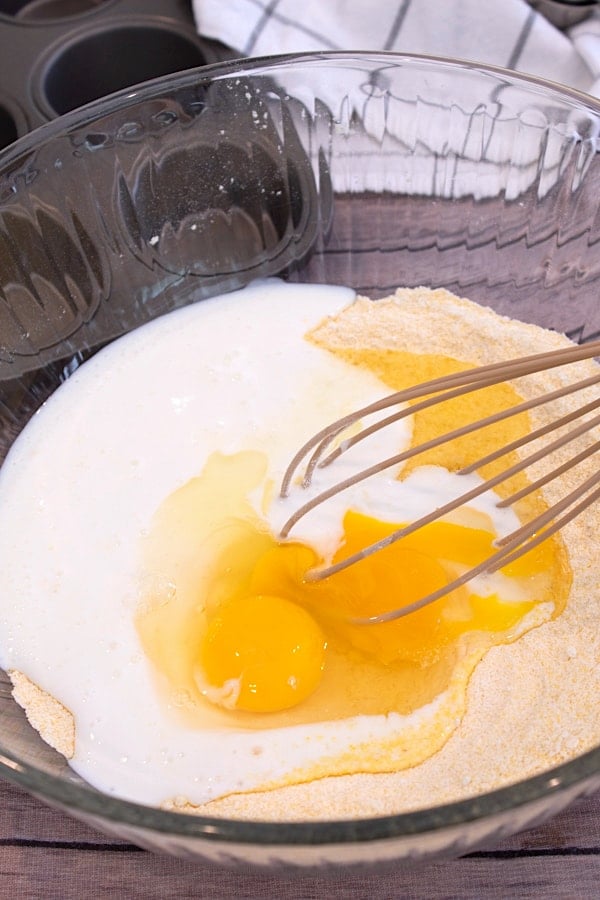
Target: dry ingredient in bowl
point(141, 564)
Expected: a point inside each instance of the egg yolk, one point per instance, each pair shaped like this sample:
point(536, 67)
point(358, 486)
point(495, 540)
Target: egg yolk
point(265, 651)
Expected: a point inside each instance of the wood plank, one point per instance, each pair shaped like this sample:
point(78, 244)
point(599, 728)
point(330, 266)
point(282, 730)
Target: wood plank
point(72, 874)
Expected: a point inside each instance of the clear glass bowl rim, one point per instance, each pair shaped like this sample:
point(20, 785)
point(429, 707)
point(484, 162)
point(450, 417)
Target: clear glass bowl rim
point(86, 801)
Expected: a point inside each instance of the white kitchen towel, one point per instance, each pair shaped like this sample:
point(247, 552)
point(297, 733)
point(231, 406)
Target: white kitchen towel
point(508, 33)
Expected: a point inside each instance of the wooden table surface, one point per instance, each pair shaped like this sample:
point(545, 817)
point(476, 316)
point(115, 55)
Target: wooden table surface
point(46, 855)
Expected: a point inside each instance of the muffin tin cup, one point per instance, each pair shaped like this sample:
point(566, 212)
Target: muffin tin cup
point(63, 54)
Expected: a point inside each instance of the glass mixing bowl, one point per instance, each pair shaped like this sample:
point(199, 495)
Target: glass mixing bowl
point(369, 170)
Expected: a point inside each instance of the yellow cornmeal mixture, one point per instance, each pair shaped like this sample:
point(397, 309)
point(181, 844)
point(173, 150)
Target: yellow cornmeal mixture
point(530, 704)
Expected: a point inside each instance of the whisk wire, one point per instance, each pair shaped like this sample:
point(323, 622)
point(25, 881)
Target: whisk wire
point(431, 444)
point(552, 475)
point(531, 528)
point(536, 434)
point(515, 547)
point(470, 380)
point(462, 500)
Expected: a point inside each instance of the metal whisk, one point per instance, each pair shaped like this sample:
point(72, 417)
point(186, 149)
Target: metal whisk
point(317, 453)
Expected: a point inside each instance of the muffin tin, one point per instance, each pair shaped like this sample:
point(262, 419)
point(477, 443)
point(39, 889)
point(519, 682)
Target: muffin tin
point(61, 54)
